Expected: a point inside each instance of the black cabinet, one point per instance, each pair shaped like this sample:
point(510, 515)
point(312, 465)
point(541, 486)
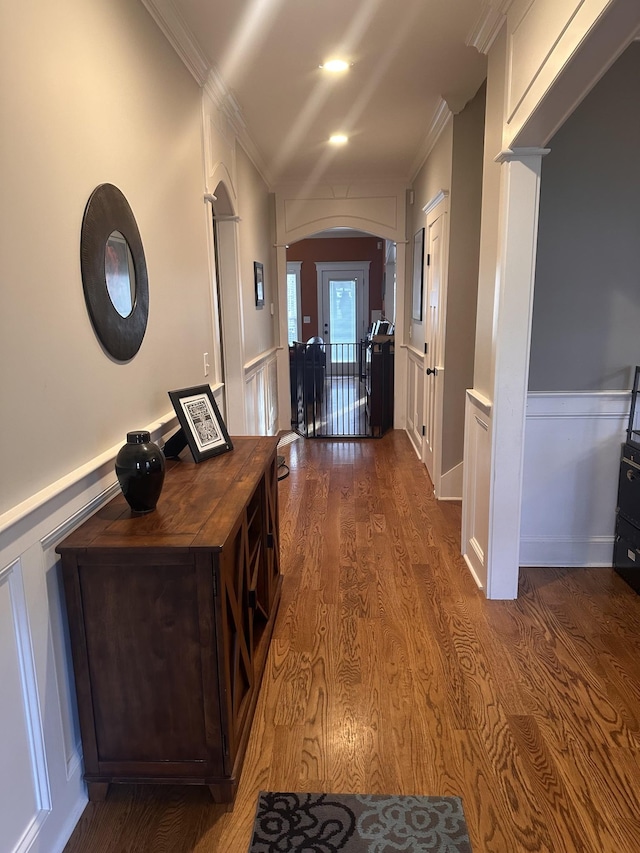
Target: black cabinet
point(626, 551)
point(378, 379)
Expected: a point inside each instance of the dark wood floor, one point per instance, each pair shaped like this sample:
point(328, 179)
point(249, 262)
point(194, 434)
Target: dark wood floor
point(390, 673)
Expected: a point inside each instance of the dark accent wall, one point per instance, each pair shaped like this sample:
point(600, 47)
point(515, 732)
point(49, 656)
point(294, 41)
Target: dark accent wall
point(586, 310)
point(320, 249)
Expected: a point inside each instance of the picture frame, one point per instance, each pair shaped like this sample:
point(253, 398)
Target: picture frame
point(418, 274)
point(258, 275)
point(201, 424)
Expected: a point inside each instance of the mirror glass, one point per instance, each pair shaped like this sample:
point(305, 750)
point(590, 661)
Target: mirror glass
point(120, 273)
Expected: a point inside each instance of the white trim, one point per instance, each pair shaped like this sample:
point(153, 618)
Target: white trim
point(348, 267)
point(263, 358)
point(572, 440)
point(488, 26)
point(509, 155)
point(180, 37)
point(554, 405)
point(476, 484)
point(440, 196)
point(295, 268)
point(515, 274)
point(479, 400)
point(22, 510)
point(472, 569)
point(58, 534)
point(413, 351)
point(451, 483)
point(12, 575)
point(569, 551)
point(337, 266)
point(441, 117)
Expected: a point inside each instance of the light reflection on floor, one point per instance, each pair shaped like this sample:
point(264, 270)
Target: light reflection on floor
point(342, 410)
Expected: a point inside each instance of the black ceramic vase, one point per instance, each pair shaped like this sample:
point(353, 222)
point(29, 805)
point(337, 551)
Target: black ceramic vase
point(140, 470)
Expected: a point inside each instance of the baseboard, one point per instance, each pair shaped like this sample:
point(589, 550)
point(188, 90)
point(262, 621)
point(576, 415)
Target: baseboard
point(70, 824)
point(573, 552)
point(451, 484)
point(474, 575)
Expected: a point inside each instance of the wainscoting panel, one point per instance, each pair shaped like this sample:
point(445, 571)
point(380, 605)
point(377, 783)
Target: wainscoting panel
point(415, 399)
point(24, 790)
point(571, 465)
point(42, 794)
point(261, 384)
point(475, 486)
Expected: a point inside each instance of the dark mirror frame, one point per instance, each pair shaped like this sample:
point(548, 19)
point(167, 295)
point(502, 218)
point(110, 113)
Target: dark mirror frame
point(108, 210)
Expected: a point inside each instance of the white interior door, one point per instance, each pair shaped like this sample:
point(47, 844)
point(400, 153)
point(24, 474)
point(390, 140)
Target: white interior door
point(434, 314)
point(343, 311)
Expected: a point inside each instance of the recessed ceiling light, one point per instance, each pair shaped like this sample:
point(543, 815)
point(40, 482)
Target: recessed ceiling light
point(338, 139)
point(335, 65)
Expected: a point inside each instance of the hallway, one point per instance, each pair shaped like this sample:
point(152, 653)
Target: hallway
point(390, 673)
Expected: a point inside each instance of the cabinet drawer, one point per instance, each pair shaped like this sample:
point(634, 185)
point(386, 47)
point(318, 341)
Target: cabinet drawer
point(626, 553)
point(629, 490)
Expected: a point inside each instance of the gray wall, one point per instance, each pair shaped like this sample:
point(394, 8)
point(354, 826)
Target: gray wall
point(586, 317)
point(464, 254)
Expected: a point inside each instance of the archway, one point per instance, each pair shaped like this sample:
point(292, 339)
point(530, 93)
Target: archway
point(227, 302)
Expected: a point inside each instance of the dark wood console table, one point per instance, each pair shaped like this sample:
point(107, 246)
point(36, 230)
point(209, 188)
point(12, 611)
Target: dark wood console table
point(170, 618)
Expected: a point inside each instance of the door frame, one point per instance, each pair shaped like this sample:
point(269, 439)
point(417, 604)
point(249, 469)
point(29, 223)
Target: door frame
point(436, 208)
point(347, 267)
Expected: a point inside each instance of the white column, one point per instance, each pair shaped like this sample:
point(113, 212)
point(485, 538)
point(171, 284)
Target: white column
point(519, 203)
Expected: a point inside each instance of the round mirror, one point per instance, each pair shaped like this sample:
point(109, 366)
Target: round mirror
point(120, 274)
point(114, 272)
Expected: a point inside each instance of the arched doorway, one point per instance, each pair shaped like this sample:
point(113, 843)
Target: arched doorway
point(227, 308)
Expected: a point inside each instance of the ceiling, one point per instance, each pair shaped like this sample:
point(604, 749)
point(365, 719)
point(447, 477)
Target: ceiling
point(408, 57)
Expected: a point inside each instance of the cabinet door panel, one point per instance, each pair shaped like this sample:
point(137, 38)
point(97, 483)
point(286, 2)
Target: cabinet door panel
point(143, 645)
point(235, 640)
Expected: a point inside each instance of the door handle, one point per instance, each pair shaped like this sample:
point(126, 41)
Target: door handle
point(431, 370)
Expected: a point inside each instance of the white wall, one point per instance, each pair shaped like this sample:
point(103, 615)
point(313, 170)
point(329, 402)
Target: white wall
point(90, 93)
point(433, 176)
point(462, 285)
point(256, 244)
point(484, 343)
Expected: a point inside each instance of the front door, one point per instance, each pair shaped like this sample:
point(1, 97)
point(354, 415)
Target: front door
point(343, 309)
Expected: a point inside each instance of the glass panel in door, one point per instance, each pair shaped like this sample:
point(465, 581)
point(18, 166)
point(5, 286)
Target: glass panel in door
point(341, 330)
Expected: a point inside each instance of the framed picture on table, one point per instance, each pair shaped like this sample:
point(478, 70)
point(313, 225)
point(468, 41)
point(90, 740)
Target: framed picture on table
point(201, 424)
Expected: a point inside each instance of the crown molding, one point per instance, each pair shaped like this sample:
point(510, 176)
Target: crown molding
point(174, 27)
point(225, 101)
point(441, 118)
point(488, 25)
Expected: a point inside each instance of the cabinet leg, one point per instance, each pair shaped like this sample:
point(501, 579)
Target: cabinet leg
point(222, 794)
point(97, 791)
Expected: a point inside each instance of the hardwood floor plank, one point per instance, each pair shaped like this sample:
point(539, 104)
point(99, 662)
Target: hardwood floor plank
point(389, 673)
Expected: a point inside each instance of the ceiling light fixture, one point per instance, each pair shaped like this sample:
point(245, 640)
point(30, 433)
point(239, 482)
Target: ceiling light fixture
point(338, 139)
point(335, 65)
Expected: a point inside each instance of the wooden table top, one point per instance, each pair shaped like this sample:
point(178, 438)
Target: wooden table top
point(198, 508)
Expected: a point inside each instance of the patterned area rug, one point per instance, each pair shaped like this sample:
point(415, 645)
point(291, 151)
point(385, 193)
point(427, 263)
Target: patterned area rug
point(327, 823)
